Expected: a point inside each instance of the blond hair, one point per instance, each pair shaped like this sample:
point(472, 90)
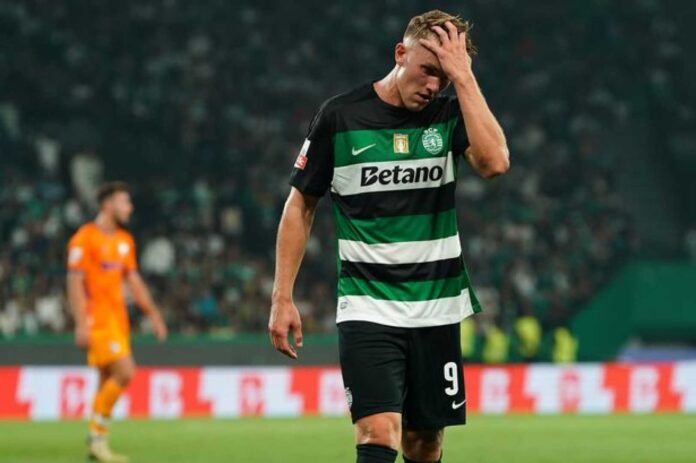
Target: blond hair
point(420, 27)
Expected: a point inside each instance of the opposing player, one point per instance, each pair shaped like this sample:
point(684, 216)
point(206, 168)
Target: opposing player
point(101, 258)
point(389, 151)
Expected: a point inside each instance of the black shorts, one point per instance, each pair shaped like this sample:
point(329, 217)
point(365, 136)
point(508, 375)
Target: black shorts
point(413, 371)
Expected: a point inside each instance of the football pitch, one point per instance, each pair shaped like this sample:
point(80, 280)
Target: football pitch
point(487, 439)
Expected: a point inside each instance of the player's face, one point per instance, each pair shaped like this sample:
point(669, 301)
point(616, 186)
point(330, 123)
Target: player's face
point(120, 207)
point(419, 76)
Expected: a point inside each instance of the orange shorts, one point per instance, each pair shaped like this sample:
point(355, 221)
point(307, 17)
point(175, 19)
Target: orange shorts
point(106, 347)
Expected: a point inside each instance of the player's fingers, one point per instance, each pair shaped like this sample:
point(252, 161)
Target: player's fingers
point(279, 338)
point(159, 332)
point(462, 41)
point(430, 45)
point(451, 31)
point(272, 337)
point(444, 38)
point(285, 348)
point(297, 334)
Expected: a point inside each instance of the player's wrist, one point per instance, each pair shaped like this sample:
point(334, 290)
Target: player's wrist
point(283, 301)
point(279, 296)
point(153, 312)
point(464, 78)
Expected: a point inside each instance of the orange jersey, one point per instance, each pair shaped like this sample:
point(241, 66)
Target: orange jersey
point(104, 258)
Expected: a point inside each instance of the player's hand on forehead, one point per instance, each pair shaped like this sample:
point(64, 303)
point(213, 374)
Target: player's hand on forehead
point(449, 33)
point(449, 45)
point(446, 36)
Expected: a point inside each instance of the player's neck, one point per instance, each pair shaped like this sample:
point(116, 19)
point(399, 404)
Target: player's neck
point(387, 90)
point(106, 223)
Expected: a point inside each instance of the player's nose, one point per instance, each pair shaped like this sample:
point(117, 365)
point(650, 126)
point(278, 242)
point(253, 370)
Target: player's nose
point(433, 85)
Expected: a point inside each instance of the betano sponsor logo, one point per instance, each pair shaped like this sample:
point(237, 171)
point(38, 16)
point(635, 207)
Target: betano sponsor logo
point(396, 175)
point(404, 174)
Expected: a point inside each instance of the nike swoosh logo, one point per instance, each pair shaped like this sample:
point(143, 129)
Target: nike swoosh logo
point(356, 152)
point(456, 405)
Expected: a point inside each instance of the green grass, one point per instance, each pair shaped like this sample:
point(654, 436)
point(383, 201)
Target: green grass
point(507, 439)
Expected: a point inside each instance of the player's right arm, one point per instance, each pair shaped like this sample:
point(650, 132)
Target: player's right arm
point(310, 179)
point(77, 295)
point(488, 152)
point(293, 234)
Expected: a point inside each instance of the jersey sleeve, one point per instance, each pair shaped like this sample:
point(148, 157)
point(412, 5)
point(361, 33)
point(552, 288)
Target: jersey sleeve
point(313, 169)
point(460, 142)
point(78, 252)
point(131, 264)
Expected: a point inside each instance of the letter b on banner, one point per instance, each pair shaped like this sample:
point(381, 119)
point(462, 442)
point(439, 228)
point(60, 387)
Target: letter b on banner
point(643, 393)
point(251, 395)
point(165, 395)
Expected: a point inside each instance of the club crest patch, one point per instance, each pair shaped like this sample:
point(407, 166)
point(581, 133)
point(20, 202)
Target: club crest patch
point(349, 397)
point(432, 141)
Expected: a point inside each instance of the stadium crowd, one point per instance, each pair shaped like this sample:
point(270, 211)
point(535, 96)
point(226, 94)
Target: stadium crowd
point(202, 108)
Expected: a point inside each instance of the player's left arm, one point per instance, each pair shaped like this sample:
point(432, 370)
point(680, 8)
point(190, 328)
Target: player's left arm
point(487, 152)
point(142, 295)
point(144, 300)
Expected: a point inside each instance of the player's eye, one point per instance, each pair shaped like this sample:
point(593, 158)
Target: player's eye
point(428, 70)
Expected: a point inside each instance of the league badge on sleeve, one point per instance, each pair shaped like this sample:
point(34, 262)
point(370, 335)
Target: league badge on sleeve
point(75, 255)
point(123, 248)
point(301, 160)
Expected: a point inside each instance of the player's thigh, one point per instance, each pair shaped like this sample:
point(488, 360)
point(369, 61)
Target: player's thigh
point(104, 374)
point(373, 364)
point(435, 380)
point(106, 347)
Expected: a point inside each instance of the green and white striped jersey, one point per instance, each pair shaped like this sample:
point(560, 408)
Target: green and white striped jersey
point(392, 175)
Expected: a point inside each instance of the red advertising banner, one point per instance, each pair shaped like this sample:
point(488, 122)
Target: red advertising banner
point(50, 393)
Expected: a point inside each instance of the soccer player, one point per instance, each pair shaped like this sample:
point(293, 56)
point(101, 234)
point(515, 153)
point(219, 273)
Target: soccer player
point(101, 258)
point(389, 152)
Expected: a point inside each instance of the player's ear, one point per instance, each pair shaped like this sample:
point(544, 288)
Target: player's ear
point(400, 53)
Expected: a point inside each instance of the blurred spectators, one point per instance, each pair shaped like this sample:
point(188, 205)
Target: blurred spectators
point(690, 243)
point(202, 107)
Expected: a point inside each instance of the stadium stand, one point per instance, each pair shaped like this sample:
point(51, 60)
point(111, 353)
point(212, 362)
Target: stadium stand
point(183, 101)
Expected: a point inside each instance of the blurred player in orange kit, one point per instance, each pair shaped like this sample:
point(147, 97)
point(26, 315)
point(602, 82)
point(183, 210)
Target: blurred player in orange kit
point(101, 258)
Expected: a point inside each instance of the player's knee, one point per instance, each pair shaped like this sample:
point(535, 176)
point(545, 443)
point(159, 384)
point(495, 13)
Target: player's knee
point(381, 429)
point(423, 445)
point(124, 372)
point(123, 378)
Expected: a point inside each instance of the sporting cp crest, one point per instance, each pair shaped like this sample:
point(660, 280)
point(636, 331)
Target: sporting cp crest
point(349, 397)
point(432, 141)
